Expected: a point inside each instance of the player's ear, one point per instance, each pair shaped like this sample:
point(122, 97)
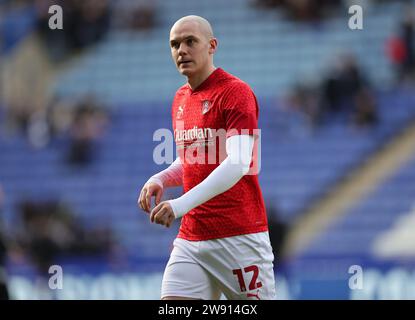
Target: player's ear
point(213, 44)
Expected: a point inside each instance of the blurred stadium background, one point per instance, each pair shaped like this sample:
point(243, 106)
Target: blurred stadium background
point(79, 106)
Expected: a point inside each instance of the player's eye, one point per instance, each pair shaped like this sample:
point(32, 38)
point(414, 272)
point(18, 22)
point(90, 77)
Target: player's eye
point(174, 45)
point(190, 42)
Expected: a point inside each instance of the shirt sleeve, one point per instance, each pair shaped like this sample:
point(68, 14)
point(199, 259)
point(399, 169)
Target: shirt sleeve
point(224, 177)
point(240, 110)
point(170, 177)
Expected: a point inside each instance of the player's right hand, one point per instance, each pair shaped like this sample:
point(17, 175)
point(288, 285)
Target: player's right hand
point(149, 190)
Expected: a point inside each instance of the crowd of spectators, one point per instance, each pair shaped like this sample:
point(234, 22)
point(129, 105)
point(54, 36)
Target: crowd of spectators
point(302, 10)
point(344, 91)
point(86, 22)
point(49, 231)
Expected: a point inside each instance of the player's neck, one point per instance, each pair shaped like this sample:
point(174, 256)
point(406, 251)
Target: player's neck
point(198, 79)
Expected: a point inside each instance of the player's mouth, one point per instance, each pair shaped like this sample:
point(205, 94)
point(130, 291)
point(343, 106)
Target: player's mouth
point(184, 62)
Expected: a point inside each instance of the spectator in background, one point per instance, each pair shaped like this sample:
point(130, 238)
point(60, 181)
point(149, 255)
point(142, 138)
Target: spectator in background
point(277, 231)
point(401, 48)
point(50, 231)
point(346, 91)
point(305, 10)
point(25, 77)
point(87, 127)
point(408, 36)
point(55, 41)
point(4, 293)
point(143, 18)
point(92, 24)
point(304, 102)
point(299, 112)
point(136, 15)
point(302, 10)
point(268, 3)
point(365, 114)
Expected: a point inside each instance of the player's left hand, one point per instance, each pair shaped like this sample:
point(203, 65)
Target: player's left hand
point(163, 214)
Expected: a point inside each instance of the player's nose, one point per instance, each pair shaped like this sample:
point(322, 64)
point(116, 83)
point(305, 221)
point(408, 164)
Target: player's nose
point(182, 49)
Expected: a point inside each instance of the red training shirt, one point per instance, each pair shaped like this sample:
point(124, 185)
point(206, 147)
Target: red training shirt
point(225, 104)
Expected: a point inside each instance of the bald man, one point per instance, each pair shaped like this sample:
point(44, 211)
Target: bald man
point(223, 244)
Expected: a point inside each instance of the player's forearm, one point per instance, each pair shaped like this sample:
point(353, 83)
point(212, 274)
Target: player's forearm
point(170, 177)
point(224, 177)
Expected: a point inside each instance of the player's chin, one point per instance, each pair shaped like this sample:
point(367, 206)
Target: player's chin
point(186, 71)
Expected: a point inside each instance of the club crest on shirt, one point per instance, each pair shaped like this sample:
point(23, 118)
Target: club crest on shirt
point(180, 112)
point(205, 106)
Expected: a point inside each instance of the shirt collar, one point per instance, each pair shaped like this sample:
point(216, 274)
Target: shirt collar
point(213, 77)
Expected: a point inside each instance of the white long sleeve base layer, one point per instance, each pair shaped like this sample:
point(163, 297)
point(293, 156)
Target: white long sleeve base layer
point(170, 177)
point(226, 175)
